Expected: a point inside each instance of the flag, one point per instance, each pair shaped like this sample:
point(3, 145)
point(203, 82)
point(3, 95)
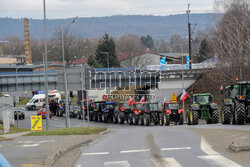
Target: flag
point(164, 100)
point(142, 99)
point(130, 100)
point(53, 92)
point(184, 95)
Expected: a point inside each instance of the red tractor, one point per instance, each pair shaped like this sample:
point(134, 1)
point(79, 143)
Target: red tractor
point(171, 112)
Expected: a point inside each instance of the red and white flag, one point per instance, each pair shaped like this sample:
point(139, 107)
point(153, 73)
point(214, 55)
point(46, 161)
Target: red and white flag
point(184, 95)
point(130, 100)
point(164, 100)
point(142, 100)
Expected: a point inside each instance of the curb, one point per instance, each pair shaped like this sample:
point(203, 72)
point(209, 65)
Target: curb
point(52, 159)
point(240, 145)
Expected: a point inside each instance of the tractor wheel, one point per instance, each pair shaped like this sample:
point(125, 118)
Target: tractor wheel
point(136, 119)
point(130, 119)
point(215, 116)
point(194, 117)
point(105, 117)
point(121, 118)
point(141, 120)
point(226, 115)
point(161, 119)
point(180, 119)
point(188, 118)
point(79, 116)
point(146, 119)
point(115, 118)
point(91, 116)
point(239, 113)
point(156, 119)
point(166, 119)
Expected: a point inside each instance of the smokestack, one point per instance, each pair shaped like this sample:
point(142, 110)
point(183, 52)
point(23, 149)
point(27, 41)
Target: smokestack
point(28, 59)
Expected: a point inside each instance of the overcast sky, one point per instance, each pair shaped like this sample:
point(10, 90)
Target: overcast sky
point(96, 8)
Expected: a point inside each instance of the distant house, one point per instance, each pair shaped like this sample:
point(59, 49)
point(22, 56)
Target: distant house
point(138, 59)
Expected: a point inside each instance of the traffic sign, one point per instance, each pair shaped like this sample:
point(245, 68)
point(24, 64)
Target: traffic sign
point(12, 92)
point(36, 123)
point(105, 97)
point(174, 97)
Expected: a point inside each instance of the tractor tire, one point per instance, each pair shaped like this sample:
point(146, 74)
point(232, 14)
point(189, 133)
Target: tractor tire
point(121, 118)
point(166, 119)
point(194, 117)
point(141, 120)
point(181, 119)
point(215, 116)
point(161, 119)
point(91, 116)
point(115, 118)
point(105, 117)
point(146, 119)
point(130, 119)
point(96, 117)
point(226, 115)
point(156, 119)
point(79, 116)
point(239, 113)
point(188, 118)
point(136, 119)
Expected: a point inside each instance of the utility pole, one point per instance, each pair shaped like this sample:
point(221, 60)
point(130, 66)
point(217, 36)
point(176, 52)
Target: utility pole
point(189, 38)
point(46, 66)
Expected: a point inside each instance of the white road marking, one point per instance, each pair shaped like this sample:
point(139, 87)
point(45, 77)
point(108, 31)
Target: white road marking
point(97, 153)
point(135, 151)
point(214, 157)
point(30, 145)
point(206, 148)
point(117, 164)
point(219, 160)
point(166, 162)
point(78, 165)
point(178, 148)
point(0, 145)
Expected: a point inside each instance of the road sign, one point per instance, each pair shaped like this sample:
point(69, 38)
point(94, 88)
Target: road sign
point(36, 123)
point(174, 97)
point(105, 97)
point(188, 62)
point(12, 92)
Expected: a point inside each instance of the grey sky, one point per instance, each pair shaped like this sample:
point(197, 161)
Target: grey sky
point(96, 8)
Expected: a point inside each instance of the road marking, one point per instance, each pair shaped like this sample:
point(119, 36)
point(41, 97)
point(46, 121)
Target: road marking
point(98, 153)
point(206, 148)
point(30, 145)
point(214, 157)
point(173, 149)
point(0, 145)
point(219, 160)
point(78, 165)
point(135, 151)
point(165, 162)
point(117, 164)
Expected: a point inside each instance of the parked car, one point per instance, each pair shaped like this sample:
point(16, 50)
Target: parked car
point(19, 114)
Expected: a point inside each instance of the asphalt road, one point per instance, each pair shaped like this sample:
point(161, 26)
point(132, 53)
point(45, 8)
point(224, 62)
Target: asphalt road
point(157, 146)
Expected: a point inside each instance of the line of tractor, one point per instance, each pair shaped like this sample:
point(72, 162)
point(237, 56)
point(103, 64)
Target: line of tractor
point(235, 109)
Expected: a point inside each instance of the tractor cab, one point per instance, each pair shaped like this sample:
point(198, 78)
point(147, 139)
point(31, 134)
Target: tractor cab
point(202, 99)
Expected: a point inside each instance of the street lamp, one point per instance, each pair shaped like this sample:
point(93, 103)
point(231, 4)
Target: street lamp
point(240, 48)
point(107, 53)
point(65, 76)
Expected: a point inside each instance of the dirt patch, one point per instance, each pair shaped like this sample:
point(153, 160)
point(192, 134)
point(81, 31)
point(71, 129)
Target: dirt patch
point(220, 139)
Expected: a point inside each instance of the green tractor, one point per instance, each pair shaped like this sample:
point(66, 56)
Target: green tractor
point(236, 106)
point(202, 108)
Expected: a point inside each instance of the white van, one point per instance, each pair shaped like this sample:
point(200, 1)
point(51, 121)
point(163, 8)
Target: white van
point(37, 101)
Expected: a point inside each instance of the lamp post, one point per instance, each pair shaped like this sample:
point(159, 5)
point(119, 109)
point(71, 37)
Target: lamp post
point(107, 53)
point(239, 45)
point(46, 65)
point(65, 76)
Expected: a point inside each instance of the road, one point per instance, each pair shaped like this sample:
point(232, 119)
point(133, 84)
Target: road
point(153, 146)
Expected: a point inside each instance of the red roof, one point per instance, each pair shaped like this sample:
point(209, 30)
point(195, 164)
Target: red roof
point(127, 55)
point(80, 61)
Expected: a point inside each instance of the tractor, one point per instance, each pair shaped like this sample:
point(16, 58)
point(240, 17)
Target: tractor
point(123, 112)
point(202, 108)
point(136, 114)
point(154, 112)
point(109, 112)
point(171, 112)
point(96, 113)
point(237, 110)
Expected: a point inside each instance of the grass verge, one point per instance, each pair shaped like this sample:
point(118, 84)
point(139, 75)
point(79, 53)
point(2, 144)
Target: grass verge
point(23, 101)
point(13, 129)
point(4, 139)
point(69, 131)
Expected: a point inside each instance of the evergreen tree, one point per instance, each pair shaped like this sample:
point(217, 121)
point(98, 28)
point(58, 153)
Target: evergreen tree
point(147, 41)
point(92, 61)
point(107, 44)
point(203, 51)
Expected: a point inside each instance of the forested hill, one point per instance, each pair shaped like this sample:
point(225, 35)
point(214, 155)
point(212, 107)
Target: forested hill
point(159, 27)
